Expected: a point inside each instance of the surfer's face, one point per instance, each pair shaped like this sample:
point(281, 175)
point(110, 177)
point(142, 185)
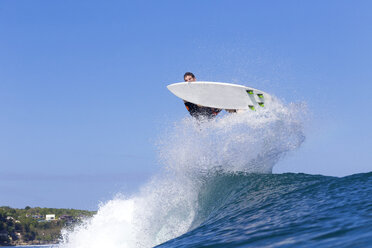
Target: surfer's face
point(189, 78)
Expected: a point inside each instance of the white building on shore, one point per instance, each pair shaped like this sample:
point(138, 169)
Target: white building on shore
point(50, 217)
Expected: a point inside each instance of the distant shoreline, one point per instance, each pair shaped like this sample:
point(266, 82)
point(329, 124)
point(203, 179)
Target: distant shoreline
point(37, 226)
point(29, 246)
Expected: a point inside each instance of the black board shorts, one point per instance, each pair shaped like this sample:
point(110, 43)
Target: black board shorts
point(201, 112)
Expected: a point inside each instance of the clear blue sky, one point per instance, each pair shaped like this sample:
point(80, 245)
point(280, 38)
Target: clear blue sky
point(83, 97)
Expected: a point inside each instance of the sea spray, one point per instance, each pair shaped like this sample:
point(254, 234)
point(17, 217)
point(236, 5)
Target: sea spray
point(163, 209)
point(112, 226)
point(168, 205)
point(252, 141)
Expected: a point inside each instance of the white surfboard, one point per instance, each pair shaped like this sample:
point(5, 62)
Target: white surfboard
point(220, 95)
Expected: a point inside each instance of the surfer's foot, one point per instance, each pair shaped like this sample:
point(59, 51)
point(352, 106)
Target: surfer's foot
point(231, 110)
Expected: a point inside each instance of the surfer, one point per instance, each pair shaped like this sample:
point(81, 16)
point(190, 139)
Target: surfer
point(195, 110)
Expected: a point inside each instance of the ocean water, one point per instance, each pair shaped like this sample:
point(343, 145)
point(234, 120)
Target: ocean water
point(287, 210)
point(216, 189)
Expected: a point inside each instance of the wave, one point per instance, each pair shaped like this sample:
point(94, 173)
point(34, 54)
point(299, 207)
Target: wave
point(286, 210)
point(202, 162)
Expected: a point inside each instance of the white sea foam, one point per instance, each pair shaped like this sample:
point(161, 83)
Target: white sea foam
point(165, 207)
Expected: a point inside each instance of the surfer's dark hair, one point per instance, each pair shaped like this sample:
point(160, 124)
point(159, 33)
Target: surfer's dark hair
point(189, 74)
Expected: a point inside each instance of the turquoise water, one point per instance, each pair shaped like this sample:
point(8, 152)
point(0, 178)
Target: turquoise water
point(287, 210)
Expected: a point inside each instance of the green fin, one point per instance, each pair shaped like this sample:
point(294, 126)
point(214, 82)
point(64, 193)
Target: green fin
point(251, 107)
point(261, 104)
point(250, 92)
point(260, 95)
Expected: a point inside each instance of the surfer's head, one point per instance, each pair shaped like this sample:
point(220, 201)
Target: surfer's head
point(189, 77)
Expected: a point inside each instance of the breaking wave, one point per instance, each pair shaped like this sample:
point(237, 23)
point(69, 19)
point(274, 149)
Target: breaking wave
point(194, 154)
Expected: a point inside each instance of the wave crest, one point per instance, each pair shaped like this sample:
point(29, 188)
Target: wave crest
point(168, 205)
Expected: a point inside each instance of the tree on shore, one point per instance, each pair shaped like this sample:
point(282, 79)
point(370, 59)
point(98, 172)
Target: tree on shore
point(29, 224)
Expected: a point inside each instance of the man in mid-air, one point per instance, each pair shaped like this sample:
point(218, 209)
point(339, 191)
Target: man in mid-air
point(198, 111)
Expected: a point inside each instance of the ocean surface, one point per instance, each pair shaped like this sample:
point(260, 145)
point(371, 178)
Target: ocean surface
point(280, 210)
point(216, 189)
point(286, 210)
